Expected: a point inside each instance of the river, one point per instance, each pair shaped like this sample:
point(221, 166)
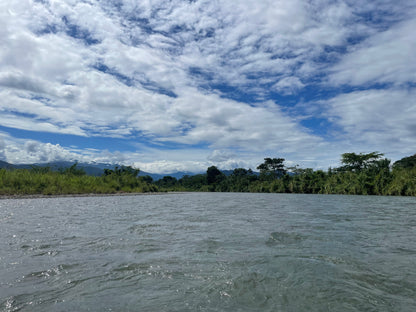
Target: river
point(208, 252)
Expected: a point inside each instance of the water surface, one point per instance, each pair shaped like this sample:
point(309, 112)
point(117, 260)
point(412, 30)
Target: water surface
point(208, 252)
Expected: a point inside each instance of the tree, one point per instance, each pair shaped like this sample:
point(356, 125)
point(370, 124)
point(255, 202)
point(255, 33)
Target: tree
point(130, 171)
point(147, 179)
point(167, 181)
point(123, 171)
point(406, 162)
point(73, 170)
point(194, 183)
point(37, 169)
point(214, 175)
point(358, 162)
point(272, 168)
point(239, 172)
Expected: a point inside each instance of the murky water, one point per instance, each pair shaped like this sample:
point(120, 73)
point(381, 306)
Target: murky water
point(208, 252)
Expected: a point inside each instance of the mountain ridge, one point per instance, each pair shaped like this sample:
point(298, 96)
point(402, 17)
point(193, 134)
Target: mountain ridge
point(93, 169)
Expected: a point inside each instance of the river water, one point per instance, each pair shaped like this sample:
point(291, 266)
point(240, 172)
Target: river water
point(208, 252)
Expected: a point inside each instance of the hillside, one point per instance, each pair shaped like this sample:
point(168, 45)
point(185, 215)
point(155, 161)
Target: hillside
point(91, 169)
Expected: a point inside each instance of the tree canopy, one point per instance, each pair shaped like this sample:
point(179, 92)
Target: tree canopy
point(272, 168)
point(122, 171)
point(358, 162)
point(360, 174)
point(214, 175)
point(406, 162)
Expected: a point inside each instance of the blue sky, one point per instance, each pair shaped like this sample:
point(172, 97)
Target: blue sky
point(175, 85)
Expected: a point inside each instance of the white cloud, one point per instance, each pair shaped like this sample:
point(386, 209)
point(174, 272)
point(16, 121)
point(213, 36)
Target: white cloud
point(165, 166)
point(288, 85)
point(225, 123)
point(221, 155)
point(2, 149)
point(20, 151)
point(386, 57)
point(154, 160)
point(153, 70)
point(376, 119)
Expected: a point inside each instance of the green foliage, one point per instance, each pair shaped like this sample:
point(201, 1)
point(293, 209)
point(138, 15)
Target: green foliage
point(403, 182)
point(122, 171)
point(272, 168)
point(240, 180)
point(167, 183)
point(214, 175)
point(361, 174)
point(358, 162)
point(405, 163)
point(38, 169)
point(69, 181)
point(193, 183)
point(73, 170)
point(147, 179)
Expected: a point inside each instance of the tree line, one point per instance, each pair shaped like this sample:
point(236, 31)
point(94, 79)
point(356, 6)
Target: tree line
point(72, 180)
point(359, 174)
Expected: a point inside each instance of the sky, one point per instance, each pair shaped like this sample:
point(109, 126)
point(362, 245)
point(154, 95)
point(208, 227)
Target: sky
point(177, 85)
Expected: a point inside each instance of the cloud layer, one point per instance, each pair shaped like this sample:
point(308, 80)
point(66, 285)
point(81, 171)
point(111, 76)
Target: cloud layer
point(225, 83)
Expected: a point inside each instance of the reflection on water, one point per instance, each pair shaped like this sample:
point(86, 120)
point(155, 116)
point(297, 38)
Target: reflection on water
point(208, 252)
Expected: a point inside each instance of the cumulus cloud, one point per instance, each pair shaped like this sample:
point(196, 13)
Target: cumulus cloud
point(288, 85)
point(23, 151)
point(221, 155)
point(387, 57)
point(2, 149)
point(201, 74)
point(116, 87)
point(20, 151)
point(376, 119)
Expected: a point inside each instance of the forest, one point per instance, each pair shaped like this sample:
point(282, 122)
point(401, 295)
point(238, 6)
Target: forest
point(360, 174)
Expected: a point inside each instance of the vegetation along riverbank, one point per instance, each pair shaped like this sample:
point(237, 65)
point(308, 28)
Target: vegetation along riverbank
point(42, 180)
point(360, 174)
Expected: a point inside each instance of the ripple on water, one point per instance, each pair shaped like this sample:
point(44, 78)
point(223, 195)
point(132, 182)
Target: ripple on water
point(51, 272)
point(282, 238)
point(37, 250)
point(143, 269)
point(202, 252)
point(143, 228)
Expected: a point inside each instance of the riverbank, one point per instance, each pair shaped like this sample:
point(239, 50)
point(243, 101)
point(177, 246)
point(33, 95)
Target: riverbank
point(33, 196)
point(23, 182)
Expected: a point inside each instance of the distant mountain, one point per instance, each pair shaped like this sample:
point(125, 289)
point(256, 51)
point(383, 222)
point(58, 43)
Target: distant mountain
point(227, 172)
point(93, 169)
point(97, 169)
point(7, 165)
point(4, 164)
point(178, 175)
